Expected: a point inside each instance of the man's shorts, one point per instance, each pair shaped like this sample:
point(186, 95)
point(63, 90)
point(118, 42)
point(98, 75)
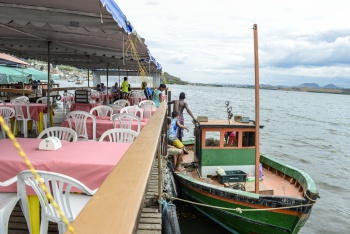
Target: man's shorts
point(174, 151)
point(177, 143)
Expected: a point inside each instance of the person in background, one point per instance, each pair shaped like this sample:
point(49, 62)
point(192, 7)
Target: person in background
point(147, 90)
point(157, 94)
point(179, 106)
point(125, 88)
point(115, 90)
point(98, 87)
point(35, 86)
point(175, 152)
point(103, 87)
point(173, 129)
point(30, 80)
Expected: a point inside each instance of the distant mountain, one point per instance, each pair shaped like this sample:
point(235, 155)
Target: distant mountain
point(309, 85)
point(169, 79)
point(331, 86)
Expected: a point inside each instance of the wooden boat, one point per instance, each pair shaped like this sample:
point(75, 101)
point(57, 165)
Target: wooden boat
point(277, 199)
point(79, 81)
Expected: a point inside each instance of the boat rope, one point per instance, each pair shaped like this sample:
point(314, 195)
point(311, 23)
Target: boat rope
point(33, 171)
point(312, 200)
point(239, 210)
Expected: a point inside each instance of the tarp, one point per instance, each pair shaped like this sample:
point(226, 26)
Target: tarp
point(6, 59)
point(17, 74)
point(80, 33)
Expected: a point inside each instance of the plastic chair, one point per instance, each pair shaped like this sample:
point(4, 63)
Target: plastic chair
point(102, 110)
point(147, 102)
point(125, 121)
point(59, 186)
point(147, 110)
point(134, 110)
point(122, 102)
point(119, 135)
point(24, 98)
point(45, 115)
point(62, 133)
point(79, 118)
point(3, 102)
point(7, 113)
point(8, 202)
point(21, 115)
point(136, 98)
point(116, 108)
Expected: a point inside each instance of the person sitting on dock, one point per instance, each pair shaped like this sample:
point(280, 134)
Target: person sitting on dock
point(98, 87)
point(103, 87)
point(115, 90)
point(175, 152)
point(174, 125)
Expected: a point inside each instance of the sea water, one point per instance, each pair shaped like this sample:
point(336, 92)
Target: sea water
point(309, 131)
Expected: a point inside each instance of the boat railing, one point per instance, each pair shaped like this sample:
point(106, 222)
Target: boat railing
point(116, 206)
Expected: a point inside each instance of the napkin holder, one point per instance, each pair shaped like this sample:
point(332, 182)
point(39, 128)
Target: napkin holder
point(50, 143)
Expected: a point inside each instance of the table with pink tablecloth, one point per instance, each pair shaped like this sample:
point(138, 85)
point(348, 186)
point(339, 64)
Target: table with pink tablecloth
point(84, 106)
point(103, 96)
point(87, 161)
point(103, 124)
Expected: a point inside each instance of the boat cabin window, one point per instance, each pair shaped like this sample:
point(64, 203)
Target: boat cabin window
point(248, 139)
point(212, 139)
point(231, 139)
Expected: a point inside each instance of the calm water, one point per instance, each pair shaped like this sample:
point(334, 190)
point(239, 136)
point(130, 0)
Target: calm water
point(309, 131)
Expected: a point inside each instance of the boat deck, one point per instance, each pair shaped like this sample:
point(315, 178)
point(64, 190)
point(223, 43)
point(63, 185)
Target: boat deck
point(272, 184)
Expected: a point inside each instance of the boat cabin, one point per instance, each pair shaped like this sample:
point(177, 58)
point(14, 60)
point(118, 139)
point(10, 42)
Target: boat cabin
point(229, 145)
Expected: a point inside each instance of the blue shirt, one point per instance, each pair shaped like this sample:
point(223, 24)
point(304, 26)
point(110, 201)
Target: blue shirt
point(155, 97)
point(173, 129)
point(148, 92)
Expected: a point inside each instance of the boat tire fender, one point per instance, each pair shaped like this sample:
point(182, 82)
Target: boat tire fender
point(58, 97)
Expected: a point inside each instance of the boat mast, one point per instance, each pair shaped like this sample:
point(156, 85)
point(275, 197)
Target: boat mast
point(257, 110)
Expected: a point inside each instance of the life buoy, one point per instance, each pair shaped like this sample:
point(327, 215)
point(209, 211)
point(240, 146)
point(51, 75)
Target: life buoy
point(58, 97)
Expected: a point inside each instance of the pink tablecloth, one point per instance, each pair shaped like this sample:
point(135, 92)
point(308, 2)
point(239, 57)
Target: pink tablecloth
point(88, 161)
point(103, 124)
point(84, 106)
point(34, 109)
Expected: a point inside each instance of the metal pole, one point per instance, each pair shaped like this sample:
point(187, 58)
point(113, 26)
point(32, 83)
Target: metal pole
point(257, 109)
point(48, 81)
point(107, 84)
point(88, 71)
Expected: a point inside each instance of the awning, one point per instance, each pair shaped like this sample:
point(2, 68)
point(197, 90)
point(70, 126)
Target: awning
point(6, 59)
point(18, 74)
point(81, 33)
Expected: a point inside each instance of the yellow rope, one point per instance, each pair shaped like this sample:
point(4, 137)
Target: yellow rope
point(33, 171)
point(239, 210)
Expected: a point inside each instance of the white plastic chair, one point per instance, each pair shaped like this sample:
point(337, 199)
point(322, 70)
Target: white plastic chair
point(147, 110)
point(147, 102)
point(125, 121)
point(7, 113)
point(24, 98)
point(21, 115)
point(134, 110)
point(119, 135)
point(79, 118)
point(3, 102)
point(116, 108)
point(45, 115)
point(136, 98)
point(122, 102)
point(62, 133)
point(8, 202)
point(102, 110)
point(59, 186)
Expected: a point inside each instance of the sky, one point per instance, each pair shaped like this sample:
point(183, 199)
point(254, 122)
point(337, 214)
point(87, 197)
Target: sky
point(211, 41)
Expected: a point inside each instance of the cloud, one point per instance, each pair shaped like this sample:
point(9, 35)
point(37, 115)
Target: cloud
point(206, 41)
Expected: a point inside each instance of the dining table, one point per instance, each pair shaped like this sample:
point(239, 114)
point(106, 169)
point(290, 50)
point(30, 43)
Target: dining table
point(84, 106)
point(103, 123)
point(87, 161)
point(36, 111)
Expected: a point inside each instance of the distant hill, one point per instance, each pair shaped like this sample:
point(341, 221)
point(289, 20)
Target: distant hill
point(331, 86)
point(309, 85)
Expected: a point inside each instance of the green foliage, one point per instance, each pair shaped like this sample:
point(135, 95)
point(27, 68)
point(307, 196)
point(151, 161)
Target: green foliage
point(173, 80)
point(65, 68)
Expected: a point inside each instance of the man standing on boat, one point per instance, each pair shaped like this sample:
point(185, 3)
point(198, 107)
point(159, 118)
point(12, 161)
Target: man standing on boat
point(179, 106)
